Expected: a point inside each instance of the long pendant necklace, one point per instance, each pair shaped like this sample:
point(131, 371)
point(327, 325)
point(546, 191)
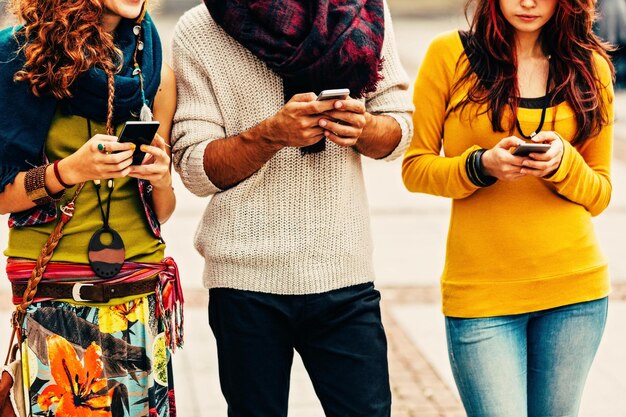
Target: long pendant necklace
point(106, 258)
point(546, 100)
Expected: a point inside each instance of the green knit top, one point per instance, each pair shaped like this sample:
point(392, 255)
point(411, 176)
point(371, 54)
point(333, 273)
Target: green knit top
point(67, 134)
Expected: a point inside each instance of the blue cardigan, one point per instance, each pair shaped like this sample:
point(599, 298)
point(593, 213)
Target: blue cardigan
point(24, 119)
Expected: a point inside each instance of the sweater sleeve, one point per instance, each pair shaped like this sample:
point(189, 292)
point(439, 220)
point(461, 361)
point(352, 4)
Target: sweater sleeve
point(424, 169)
point(584, 174)
point(198, 120)
point(391, 98)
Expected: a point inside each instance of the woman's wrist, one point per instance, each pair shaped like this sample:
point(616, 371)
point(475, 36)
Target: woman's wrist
point(40, 186)
point(57, 175)
point(476, 172)
point(164, 184)
point(485, 162)
point(67, 173)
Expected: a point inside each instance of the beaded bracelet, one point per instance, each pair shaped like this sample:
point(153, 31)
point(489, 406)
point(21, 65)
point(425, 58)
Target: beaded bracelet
point(35, 185)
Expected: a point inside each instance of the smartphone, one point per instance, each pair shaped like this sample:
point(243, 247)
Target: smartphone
point(139, 133)
point(336, 94)
point(527, 148)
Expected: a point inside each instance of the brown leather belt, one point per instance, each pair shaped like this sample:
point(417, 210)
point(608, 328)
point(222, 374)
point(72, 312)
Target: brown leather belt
point(85, 292)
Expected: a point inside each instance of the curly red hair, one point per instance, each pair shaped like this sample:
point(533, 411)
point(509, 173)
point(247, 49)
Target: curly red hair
point(63, 39)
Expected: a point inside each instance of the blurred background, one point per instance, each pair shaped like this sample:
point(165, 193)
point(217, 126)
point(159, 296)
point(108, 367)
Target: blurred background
point(611, 23)
point(409, 236)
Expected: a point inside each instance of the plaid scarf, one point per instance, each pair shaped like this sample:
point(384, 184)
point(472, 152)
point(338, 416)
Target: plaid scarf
point(312, 45)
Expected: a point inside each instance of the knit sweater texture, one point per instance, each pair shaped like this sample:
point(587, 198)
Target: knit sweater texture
point(300, 224)
point(516, 246)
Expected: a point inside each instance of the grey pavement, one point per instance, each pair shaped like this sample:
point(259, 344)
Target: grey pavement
point(409, 235)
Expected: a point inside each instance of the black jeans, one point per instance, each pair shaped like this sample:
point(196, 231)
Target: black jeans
point(338, 334)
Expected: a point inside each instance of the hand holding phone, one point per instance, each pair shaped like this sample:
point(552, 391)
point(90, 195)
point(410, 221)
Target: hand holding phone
point(527, 148)
point(139, 133)
point(335, 94)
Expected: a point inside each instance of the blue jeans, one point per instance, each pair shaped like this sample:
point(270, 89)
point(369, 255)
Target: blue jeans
point(338, 334)
point(525, 365)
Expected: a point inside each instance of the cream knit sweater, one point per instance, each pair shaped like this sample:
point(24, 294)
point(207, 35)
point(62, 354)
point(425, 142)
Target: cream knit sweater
point(300, 224)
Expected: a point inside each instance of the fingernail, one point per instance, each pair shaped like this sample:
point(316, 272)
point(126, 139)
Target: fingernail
point(338, 104)
point(143, 148)
point(323, 123)
point(133, 146)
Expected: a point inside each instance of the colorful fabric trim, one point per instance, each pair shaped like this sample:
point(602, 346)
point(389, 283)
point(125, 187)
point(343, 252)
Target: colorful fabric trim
point(169, 294)
point(145, 193)
point(38, 215)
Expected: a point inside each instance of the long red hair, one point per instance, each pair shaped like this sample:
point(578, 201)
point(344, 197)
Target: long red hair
point(567, 37)
point(63, 39)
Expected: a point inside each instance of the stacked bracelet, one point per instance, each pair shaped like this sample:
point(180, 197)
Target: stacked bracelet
point(475, 171)
point(35, 185)
point(57, 174)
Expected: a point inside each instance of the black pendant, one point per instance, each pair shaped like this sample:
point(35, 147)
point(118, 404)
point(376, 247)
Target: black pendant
point(106, 259)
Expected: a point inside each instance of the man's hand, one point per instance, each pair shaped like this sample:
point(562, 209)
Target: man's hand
point(345, 122)
point(231, 160)
point(297, 123)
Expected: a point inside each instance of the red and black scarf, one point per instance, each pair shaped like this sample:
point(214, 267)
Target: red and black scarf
point(312, 45)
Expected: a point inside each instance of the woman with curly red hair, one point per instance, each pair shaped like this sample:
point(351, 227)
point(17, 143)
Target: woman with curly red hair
point(525, 283)
point(98, 305)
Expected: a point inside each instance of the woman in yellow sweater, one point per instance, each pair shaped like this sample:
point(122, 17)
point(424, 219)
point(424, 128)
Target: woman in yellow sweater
point(525, 284)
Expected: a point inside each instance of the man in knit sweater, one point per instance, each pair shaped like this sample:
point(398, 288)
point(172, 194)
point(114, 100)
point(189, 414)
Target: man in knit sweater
point(286, 235)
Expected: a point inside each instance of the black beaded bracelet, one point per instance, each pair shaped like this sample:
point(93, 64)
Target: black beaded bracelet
point(35, 185)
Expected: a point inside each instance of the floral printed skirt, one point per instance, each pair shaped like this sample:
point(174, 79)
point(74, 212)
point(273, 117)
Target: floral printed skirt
point(84, 361)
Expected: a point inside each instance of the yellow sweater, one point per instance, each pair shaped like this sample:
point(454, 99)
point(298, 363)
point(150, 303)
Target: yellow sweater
point(517, 246)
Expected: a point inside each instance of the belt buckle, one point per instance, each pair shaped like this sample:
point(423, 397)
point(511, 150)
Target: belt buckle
point(76, 291)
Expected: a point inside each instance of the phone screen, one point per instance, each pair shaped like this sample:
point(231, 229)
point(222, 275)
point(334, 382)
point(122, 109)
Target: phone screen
point(139, 133)
point(336, 94)
point(528, 148)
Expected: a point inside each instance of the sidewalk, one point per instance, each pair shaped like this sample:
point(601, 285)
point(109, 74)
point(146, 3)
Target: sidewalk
point(409, 234)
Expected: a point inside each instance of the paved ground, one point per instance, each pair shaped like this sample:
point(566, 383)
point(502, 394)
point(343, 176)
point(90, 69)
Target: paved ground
point(409, 234)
